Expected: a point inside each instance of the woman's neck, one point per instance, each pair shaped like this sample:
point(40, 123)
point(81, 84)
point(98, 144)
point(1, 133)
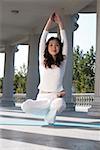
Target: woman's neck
point(54, 57)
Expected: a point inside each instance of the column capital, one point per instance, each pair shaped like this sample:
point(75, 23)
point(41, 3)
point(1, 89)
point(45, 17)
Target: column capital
point(12, 48)
point(70, 21)
point(75, 18)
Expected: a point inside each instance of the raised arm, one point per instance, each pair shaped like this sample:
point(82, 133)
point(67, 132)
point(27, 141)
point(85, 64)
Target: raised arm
point(43, 39)
point(58, 20)
point(64, 41)
point(53, 18)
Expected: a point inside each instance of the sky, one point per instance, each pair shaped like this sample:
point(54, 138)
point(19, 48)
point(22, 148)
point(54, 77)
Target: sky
point(84, 36)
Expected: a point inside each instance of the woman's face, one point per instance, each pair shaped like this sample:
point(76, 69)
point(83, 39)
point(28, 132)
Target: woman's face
point(53, 47)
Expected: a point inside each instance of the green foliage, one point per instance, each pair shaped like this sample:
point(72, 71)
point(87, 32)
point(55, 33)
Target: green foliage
point(20, 80)
point(84, 70)
point(83, 73)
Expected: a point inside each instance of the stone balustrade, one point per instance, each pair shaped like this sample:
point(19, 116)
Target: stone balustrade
point(83, 99)
point(79, 99)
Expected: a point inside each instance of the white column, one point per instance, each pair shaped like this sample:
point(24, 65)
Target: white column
point(69, 24)
point(95, 109)
point(7, 98)
point(33, 73)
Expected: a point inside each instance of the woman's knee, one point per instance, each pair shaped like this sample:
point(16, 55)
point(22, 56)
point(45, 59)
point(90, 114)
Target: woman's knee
point(58, 104)
point(26, 106)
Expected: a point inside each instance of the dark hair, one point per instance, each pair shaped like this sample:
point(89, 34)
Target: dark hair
point(48, 59)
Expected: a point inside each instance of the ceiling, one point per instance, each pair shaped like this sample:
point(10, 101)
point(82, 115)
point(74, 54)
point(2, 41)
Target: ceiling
point(20, 18)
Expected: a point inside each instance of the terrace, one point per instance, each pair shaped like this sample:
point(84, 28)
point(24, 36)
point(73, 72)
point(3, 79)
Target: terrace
point(73, 130)
point(78, 128)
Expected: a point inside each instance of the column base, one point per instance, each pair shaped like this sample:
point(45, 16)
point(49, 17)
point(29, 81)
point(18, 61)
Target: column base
point(95, 109)
point(70, 106)
point(7, 102)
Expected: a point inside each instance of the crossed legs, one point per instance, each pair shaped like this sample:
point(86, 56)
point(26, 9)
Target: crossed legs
point(48, 107)
point(36, 107)
point(58, 105)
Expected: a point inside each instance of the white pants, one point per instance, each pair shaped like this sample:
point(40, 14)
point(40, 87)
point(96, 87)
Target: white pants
point(47, 104)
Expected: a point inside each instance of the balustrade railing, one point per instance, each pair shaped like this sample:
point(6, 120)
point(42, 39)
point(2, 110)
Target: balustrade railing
point(79, 99)
point(83, 99)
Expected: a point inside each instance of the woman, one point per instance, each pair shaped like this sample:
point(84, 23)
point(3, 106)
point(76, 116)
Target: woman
point(52, 62)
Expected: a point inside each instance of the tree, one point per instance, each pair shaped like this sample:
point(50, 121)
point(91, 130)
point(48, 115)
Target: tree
point(84, 70)
point(20, 80)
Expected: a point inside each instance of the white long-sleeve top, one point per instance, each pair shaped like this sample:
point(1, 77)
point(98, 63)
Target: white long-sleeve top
point(51, 78)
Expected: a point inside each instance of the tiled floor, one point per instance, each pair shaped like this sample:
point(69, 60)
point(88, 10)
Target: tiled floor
point(72, 131)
